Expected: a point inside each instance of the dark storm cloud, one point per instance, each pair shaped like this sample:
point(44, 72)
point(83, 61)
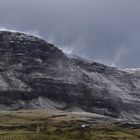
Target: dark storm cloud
point(103, 30)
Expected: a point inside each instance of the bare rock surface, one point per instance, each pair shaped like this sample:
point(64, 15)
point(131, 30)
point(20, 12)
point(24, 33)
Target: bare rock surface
point(34, 74)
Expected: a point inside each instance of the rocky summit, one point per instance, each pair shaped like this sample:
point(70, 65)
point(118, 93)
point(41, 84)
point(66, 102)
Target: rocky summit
point(34, 74)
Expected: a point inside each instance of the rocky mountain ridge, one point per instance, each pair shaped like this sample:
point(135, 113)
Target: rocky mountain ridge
point(36, 74)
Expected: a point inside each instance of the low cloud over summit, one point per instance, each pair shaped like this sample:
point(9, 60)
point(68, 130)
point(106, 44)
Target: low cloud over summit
point(105, 31)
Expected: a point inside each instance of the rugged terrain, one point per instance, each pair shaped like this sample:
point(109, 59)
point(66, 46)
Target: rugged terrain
point(34, 74)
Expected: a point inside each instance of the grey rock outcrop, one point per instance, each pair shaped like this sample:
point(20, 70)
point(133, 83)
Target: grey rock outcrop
point(36, 74)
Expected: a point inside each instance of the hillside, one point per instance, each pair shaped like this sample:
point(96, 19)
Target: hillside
point(35, 74)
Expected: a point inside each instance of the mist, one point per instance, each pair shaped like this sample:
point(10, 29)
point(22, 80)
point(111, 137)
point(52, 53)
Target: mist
point(104, 31)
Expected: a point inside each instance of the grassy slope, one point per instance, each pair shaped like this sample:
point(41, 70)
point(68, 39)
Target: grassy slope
point(54, 125)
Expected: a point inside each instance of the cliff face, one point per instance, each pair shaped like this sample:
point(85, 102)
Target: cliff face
point(35, 74)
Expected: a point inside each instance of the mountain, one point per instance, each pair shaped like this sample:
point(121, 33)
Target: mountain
point(34, 74)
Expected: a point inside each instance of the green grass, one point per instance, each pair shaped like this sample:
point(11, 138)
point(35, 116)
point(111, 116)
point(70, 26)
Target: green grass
point(37, 125)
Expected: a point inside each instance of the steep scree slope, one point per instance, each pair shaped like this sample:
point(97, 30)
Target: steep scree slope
point(35, 74)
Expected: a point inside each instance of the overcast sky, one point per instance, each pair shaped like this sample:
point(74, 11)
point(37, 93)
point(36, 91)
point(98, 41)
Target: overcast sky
point(107, 31)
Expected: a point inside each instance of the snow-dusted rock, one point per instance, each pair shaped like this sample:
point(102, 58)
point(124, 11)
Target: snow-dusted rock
point(36, 74)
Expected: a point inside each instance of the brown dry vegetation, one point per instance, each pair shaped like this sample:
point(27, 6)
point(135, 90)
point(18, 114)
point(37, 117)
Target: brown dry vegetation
point(57, 125)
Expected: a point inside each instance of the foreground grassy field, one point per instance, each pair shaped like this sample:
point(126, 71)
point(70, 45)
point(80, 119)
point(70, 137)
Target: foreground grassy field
point(52, 125)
